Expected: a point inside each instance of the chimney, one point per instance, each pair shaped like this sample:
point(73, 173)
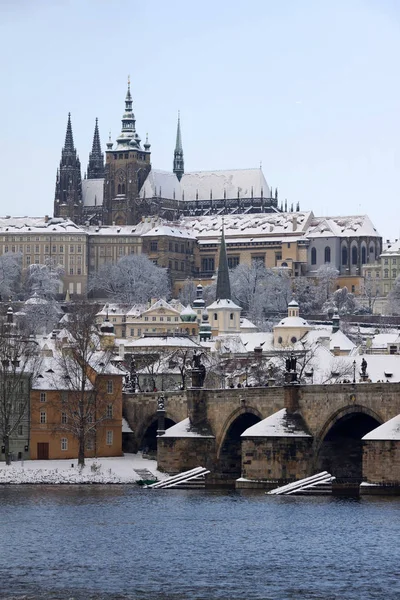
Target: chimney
point(46, 218)
point(294, 221)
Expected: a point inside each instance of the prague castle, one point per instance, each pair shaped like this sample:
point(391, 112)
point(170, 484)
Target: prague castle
point(123, 206)
point(127, 188)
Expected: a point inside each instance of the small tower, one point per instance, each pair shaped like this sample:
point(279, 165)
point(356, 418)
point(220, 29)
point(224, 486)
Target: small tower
point(68, 194)
point(127, 167)
point(223, 283)
point(95, 168)
point(205, 328)
point(179, 165)
point(225, 314)
point(199, 304)
point(335, 321)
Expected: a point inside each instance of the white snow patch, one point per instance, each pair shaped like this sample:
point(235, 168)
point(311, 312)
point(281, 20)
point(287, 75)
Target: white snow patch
point(387, 431)
point(120, 469)
point(280, 424)
point(183, 429)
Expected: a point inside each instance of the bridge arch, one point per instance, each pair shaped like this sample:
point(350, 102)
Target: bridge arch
point(229, 449)
point(339, 446)
point(146, 432)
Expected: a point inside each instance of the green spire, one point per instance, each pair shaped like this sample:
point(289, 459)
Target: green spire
point(223, 283)
point(179, 167)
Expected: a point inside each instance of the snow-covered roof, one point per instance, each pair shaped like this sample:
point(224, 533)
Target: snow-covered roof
point(381, 340)
point(387, 431)
point(92, 192)
point(123, 230)
point(37, 225)
point(166, 230)
point(240, 228)
point(169, 341)
point(54, 374)
point(188, 311)
point(293, 322)
point(161, 183)
point(184, 429)
point(280, 424)
point(263, 339)
point(293, 303)
point(247, 324)
point(245, 183)
point(224, 303)
point(350, 226)
point(161, 304)
point(340, 340)
point(391, 248)
point(230, 343)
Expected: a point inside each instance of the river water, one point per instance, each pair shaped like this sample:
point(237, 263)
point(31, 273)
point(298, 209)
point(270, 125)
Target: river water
point(123, 542)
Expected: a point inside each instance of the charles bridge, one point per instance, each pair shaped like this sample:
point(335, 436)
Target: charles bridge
point(335, 418)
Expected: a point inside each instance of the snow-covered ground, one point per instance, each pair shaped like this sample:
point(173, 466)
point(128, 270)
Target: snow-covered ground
point(121, 469)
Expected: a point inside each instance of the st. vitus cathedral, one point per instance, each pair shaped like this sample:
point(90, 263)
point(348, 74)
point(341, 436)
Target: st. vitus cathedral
point(126, 187)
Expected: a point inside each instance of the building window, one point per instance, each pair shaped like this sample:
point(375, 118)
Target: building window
point(327, 254)
point(208, 264)
point(110, 386)
point(354, 255)
point(386, 261)
point(90, 444)
point(64, 418)
point(176, 265)
point(71, 248)
point(139, 332)
point(353, 289)
point(37, 249)
point(79, 249)
point(363, 255)
point(64, 444)
point(293, 339)
point(28, 260)
point(146, 318)
point(313, 256)
point(109, 438)
point(215, 317)
point(182, 266)
point(43, 417)
point(344, 255)
point(170, 247)
point(20, 429)
point(233, 261)
point(154, 318)
point(176, 248)
point(61, 249)
point(132, 332)
point(42, 396)
point(109, 411)
point(71, 270)
point(386, 273)
point(153, 246)
point(394, 273)
point(394, 261)
point(231, 316)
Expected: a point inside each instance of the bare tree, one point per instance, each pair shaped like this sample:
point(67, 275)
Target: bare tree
point(19, 364)
point(188, 293)
point(134, 279)
point(44, 279)
point(89, 402)
point(326, 278)
point(370, 292)
point(10, 274)
point(394, 297)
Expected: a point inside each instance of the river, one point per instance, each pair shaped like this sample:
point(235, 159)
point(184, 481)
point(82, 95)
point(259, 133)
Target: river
point(123, 542)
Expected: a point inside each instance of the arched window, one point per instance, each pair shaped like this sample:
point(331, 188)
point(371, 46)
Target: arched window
point(327, 254)
point(280, 340)
point(344, 255)
point(371, 249)
point(386, 273)
point(123, 189)
point(215, 317)
point(363, 255)
point(119, 188)
point(313, 256)
point(231, 316)
point(354, 255)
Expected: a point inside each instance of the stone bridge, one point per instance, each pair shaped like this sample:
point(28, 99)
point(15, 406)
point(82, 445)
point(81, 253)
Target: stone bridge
point(335, 418)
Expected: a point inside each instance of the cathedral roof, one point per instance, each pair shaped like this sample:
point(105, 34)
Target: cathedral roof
point(350, 226)
point(243, 182)
point(38, 224)
point(92, 192)
point(161, 183)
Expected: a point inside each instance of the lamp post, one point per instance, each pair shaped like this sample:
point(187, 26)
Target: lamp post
point(354, 371)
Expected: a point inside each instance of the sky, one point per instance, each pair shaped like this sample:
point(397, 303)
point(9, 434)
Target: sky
point(309, 89)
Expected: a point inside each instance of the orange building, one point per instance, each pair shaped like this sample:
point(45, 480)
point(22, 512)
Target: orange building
point(53, 400)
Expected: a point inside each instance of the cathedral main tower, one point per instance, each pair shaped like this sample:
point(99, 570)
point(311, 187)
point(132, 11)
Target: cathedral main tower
point(68, 194)
point(127, 166)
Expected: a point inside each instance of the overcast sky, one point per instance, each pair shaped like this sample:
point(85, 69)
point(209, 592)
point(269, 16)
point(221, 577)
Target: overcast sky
point(308, 87)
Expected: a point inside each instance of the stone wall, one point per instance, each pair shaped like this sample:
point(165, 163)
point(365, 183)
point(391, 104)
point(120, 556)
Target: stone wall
point(175, 455)
point(381, 461)
point(277, 459)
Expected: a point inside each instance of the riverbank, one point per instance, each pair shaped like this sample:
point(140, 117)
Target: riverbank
point(129, 468)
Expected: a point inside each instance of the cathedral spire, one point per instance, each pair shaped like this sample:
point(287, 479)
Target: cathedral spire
point(223, 283)
point(128, 136)
point(95, 168)
point(69, 140)
point(179, 166)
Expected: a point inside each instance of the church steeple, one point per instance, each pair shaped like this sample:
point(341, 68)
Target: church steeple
point(223, 283)
point(95, 168)
point(179, 166)
point(128, 137)
point(68, 193)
